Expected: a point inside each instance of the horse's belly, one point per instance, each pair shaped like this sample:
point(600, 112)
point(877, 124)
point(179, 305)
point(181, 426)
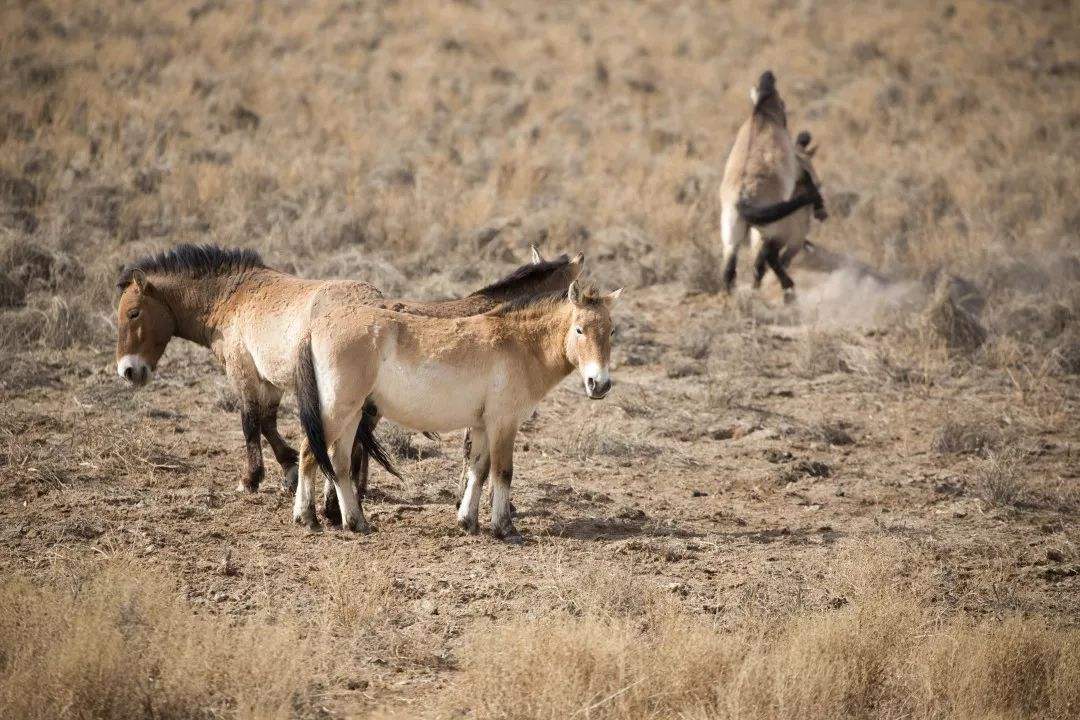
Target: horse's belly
point(431, 396)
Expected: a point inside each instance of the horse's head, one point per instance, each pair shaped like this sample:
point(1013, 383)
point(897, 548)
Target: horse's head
point(144, 327)
point(588, 341)
point(808, 178)
point(766, 99)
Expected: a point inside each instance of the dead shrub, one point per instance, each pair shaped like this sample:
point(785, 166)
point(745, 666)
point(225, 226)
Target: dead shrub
point(819, 353)
point(696, 339)
point(55, 323)
point(967, 436)
point(998, 478)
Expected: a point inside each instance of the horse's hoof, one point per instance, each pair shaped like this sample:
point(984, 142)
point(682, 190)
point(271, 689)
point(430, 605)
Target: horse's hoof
point(307, 519)
point(359, 525)
point(290, 477)
point(508, 535)
point(469, 525)
point(789, 296)
point(332, 512)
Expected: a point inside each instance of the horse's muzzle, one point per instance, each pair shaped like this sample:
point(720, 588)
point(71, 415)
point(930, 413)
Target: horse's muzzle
point(597, 390)
point(133, 369)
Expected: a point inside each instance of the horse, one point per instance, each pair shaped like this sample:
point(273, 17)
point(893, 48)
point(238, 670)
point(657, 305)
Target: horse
point(780, 242)
point(759, 181)
point(484, 372)
point(230, 302)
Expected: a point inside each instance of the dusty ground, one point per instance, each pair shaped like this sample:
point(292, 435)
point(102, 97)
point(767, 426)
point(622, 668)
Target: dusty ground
point(752, 460)
point(730, 491)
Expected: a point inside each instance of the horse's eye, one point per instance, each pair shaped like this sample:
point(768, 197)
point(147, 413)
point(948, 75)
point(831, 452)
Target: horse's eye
point(133, 313)
point(612, 332)
point(579, 331)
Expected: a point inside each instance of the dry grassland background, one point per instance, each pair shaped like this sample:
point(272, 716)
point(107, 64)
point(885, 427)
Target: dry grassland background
point(863, 505)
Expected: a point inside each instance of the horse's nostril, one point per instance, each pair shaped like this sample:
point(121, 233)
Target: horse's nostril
point(590, 383)
point(128, 372)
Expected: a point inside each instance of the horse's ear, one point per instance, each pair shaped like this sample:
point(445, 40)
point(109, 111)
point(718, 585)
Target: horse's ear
point(139, 278)
point(611, 297)
point(537, 258)
point(574, 293)
point(578, 259)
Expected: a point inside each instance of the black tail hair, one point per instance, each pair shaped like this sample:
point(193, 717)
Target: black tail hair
point(310, 408)
point(365, 442)
point(765, 214)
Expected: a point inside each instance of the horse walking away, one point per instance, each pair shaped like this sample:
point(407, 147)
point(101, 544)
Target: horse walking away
point(249, 315)
point(485, 373)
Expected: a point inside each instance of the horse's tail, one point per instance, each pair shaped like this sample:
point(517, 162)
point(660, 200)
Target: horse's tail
point(365, 442)
point(310, 408)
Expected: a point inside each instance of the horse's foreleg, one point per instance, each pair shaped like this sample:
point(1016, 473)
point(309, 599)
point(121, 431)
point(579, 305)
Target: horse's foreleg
point(501, 444)
point(249, 419)
point(478, 465)
point(286, 456)
point(304, 502)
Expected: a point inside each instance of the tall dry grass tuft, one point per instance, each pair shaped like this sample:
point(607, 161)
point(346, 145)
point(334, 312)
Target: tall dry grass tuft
point(118, 643)
point(883, 653)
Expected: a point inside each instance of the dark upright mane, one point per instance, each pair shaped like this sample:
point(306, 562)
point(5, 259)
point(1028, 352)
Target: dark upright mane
point(192, 261)
point(524, 275)
point(589, 295)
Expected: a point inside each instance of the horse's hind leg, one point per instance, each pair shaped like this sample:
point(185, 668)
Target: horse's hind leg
point(286, 456)
point(732, 233)
point(479, 464)
point(773, 258)
point(760, 262)
point(352, 514)
point(360, 468)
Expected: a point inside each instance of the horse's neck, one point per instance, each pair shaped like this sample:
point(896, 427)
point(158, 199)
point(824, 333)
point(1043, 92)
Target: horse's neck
point(197, 304)
point(543, 336)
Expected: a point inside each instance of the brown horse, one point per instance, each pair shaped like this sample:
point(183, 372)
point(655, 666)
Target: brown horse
point(247, 314)
point(760, 176)
point(484, 372)
point(779, 242)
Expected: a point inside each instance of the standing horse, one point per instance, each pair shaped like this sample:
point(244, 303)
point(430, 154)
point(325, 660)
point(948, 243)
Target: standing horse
point(230, 302)
point(485, 373)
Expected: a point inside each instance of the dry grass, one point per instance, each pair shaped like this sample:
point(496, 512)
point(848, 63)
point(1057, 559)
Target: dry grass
point(883, 653)
point(968, 434)
point(116, 642)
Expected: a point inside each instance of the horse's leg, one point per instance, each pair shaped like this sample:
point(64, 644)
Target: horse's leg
point(361, 464)
point(732, 233)
point(249, 420)
point(352, 514)
point(501, 441)
point(331, 507)
point(773, 258)
point(762, 249)
point(791, 249)
point(286, 456)
point(304, 503)
point(359, 467)
point(466, 453)
point(479, 464)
